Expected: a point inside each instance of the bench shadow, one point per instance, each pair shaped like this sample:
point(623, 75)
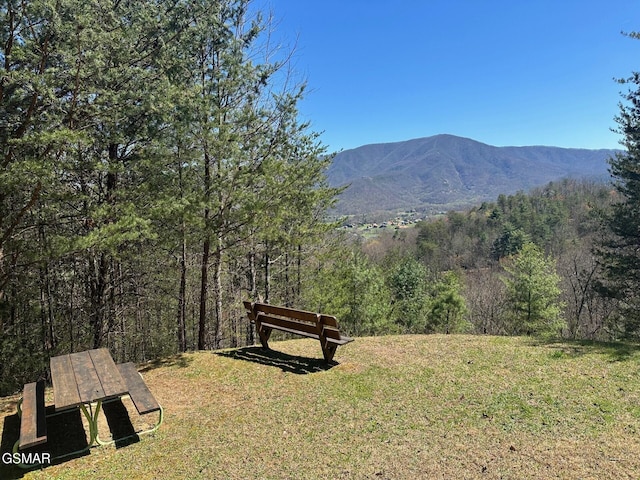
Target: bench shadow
point(122, 430)
point(65, 435)
point(286, 363)
point(179, 360)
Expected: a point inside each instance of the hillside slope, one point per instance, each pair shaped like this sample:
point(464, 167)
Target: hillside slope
point(438, 406)
point(445, 170)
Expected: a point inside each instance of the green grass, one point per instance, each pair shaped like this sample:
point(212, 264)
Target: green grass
point(393, 408)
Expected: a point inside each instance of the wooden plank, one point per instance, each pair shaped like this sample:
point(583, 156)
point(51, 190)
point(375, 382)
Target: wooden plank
point(249, 308)
point(140, 394)
point(33, 425)
point(331, 332)
point(340, 341)
point(289, 330)
point(329, 320)
point(286, 312)
point(291, 324)
point(113, 385)
point(65, 388)
point(89, 386)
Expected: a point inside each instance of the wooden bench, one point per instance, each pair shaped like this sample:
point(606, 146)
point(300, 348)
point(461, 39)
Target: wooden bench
point(33, 425)
point(140, 394)
point(299, 322)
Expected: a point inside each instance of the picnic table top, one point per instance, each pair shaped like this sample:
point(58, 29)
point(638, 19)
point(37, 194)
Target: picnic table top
point(85, 377)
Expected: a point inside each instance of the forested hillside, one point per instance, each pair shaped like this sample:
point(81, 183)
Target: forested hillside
point(524, 264)
point(446, 172)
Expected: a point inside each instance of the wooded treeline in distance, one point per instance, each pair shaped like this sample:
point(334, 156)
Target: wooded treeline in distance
point(154, 174)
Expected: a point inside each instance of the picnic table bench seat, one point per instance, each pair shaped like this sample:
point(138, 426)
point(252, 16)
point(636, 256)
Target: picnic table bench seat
point(33, 425)
point(140, 395)
point(299, 322)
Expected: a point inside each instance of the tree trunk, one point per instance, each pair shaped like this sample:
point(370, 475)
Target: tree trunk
point(253, 293)
point(204, 284)
point(182, 296)
point(267, 273)
point(299, 275)
point(182, 293)
point(98, 288)
point(217, 286)
point(287, 289)
point(206, 252)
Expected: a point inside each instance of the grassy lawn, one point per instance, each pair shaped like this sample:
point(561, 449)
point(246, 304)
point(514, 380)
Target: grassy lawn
point(402, 407)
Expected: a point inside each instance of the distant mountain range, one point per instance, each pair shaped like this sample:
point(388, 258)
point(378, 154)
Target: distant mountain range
point(445, 171)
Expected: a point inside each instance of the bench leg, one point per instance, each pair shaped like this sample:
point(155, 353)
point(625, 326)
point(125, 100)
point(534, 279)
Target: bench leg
point(93, 421)
point(19, 407)
point(328, 350)
point(24, 466)
point(264, 334)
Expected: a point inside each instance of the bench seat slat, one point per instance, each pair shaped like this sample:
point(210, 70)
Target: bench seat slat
point(140, 394)
point(33, 425)
point(332, 334)
point(340, 341)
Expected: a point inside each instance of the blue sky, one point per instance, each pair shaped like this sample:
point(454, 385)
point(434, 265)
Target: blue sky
point(507, 72)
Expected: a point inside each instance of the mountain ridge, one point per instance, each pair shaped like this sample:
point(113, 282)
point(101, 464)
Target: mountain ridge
point(446, 171)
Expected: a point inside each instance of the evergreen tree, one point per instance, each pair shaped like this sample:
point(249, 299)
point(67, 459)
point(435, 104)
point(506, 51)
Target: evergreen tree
point(408, 282)
point(142, 143)
point(353, 289)
point(447, 306)
point(533, 291)
point(509, 243)
point(620, 252)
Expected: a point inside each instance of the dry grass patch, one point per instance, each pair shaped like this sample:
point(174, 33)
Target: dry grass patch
point(394, 407)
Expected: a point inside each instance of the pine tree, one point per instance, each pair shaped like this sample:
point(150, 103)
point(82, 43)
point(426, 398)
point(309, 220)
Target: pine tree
point(447, 306)
point(408, 280)
point(533, 291)
point(620, 252)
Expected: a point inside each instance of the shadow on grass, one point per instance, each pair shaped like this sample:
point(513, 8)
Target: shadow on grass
point(122, 430)
point(287, 363)
point(180, 361)
point(615, 351)
point(65, 435)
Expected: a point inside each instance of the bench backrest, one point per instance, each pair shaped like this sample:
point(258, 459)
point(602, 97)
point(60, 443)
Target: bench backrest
point(294, 319)
point(292, 313)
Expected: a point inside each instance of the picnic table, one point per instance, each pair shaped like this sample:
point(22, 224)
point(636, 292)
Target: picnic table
point(83, 380)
